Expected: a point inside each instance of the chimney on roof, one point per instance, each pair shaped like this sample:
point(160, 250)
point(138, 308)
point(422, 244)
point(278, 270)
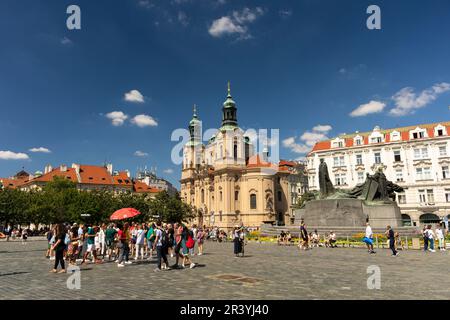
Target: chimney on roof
point(76, 167)
point(128, 173)
point(109, 168)
point(63, 168)
point(48, 168)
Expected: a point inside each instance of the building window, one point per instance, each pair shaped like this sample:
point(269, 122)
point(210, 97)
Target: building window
point(339, 161)
point(253, 201)
point(430, 196)
point(376, 140)
point(236, 196)
point(235, 151)
point(401, 198)
point(422, 198)
point(445, 172)
point(340, 144)
point(399, 175)
point(360, 177)
point(203, 196)
point(359, 159)
point(358, 142)
point(443, 151)
point(418, 135)
point(447, 195)
point(220, 195)
point(340, 179)
point(397, 156)
point(440, 132)
point(421, 153)
point(423, 173)
point(377, 157)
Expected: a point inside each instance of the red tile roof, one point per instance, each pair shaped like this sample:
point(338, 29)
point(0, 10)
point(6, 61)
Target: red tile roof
point(56, 172)
point(123, 179)
point(141, 187)
point(95, 175)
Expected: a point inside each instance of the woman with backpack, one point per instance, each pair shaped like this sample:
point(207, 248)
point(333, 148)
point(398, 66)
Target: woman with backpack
point(187, 242)
point(161, 244)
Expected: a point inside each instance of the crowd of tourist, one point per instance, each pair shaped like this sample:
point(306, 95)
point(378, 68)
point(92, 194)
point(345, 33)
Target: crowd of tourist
point(123, 243)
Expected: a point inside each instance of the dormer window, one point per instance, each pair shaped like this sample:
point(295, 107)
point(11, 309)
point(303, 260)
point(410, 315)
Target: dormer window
point(440, 131)
point(358, 141)
point(376, 140)
point(338, 143)
point(395, 136)
point(418, 133)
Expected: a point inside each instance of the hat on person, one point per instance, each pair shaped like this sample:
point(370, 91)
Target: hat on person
point(75, 225)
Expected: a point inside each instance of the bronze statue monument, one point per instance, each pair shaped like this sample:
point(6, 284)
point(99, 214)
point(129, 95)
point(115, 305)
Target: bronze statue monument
point(325, 184)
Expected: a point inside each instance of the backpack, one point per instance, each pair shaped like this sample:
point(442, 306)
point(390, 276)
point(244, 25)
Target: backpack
point(190, 242)
point(164, 238)
point(67, 239)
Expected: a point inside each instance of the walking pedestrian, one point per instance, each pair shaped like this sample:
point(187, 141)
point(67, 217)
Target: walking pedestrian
point(160, 245)
point(368, 238)
point(124, 245)
point(440, 236)
point(59, 248)
point(431, 237)
point(425, 238)
point(391, 236)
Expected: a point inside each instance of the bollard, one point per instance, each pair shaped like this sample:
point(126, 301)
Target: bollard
point(376, 241)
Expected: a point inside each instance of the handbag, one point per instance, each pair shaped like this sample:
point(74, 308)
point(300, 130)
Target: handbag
point(190, 242)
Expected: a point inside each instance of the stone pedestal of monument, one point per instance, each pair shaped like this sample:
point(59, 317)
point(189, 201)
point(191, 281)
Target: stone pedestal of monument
point(349, 213)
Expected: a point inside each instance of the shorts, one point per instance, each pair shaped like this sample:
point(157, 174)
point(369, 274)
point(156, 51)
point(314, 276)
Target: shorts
point(367, 241)
point(90, 248)
point(150, 244)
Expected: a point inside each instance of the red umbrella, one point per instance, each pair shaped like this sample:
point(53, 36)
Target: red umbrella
point(124, 213)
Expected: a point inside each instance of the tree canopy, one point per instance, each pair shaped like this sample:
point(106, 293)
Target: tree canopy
point(61, 201)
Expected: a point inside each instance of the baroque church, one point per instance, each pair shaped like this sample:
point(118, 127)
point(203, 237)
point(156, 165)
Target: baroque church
point(227, 182)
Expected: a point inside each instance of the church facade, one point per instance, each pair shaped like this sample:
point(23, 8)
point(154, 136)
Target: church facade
point(227, 182)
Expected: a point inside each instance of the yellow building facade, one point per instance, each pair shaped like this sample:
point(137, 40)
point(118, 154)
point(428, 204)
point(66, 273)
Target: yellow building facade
point(226, 182)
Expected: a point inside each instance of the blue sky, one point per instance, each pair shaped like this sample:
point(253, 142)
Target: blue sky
point(299, 66)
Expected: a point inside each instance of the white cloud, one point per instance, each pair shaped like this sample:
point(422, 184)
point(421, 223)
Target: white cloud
point(66, 41)
point(168, 171)
point(146, 4)
point(236, 23)
point(134, 96)
point(183, 18)
point(368, 108)
point(322, 128)
point(40, 149)
point(144, 120)
point(407, 101)
point(117, 118)
point(308, 139)
point(9, 155)
point(141, 154)
point(285, 13)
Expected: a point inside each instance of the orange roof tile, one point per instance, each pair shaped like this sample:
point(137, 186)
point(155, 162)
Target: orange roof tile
point(95, 175)
point(141, 187)
point(69, 174)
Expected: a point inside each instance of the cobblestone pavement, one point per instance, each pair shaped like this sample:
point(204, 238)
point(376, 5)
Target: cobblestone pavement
point(267, 272)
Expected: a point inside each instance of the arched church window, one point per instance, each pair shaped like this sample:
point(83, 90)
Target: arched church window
point(253, 201)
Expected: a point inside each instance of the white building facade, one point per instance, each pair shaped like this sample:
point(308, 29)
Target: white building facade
point(416, 158)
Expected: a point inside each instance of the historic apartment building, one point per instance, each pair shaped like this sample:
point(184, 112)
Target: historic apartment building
point(227, 183)
point(415, 157)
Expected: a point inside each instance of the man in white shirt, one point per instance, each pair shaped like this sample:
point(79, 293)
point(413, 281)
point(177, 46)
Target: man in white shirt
point(368, 238)
point(440, 237)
